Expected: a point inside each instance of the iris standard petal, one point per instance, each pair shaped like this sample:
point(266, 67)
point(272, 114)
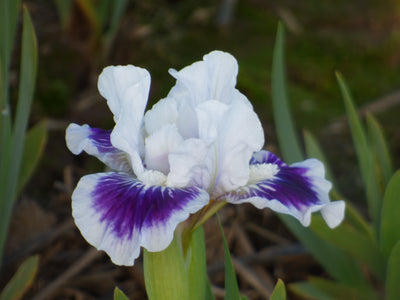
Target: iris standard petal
point(214, 78)
point(237, 134)
point(96, 142)
point(119, 214)
point(126, 89)
point(297, 190)
point(158, 146)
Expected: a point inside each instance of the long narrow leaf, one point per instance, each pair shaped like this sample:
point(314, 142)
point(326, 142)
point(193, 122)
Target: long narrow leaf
point(364, 153)
point(33, 148)
point(287, 137)
point(393, 274)
point(335, 261)
point(381, 148)
point(196, 262)
point(359, 246)
point(390, 223)
point(21, 280)
point(25, 95)
point(341, 290)
point(231, 286)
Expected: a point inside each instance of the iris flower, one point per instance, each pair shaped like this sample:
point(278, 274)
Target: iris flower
point(198, 147)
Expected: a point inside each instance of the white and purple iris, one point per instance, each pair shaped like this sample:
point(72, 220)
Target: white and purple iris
point(199, 145)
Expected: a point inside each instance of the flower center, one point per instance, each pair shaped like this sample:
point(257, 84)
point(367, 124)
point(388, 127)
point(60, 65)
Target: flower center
point(260, 172)
point(152, 177)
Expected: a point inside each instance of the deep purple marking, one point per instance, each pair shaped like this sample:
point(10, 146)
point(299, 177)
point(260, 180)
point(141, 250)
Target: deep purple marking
point(266, 157)
point(101, 140)
point(126, 204)
point(290, 186)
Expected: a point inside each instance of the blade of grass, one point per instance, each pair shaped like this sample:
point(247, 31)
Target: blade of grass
point(287, 137)
point(231, 286)
point(21, 280)
point(25, 95)
point(390, 223)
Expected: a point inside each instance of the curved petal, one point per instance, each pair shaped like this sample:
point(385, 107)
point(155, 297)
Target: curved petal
point(237, 133)
point(164, 112)
point(214, 78)
point(119, 214)
point(126, 89)
point(96, 142)
point(298, 190)
point(158, 145)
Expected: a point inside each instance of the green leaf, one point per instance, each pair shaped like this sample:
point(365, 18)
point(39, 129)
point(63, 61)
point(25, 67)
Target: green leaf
point(25, 96)
point(196, 262)
point(364, 153)
point(165, 274)
point(335, 261)
point(279, 292)
point(309, 291)
point(22, 280)
point(313, 149)
point(342, 290)
point(35, 141)
point(390, 221)
point(393, 274)
point(231, 286)
point(119, 295)
point(380, 147)
point(288, 140)
point(209, 294)
point(359, 246)
point(64, 8)
point(117, 10)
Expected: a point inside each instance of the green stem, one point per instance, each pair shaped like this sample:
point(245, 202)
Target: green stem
point(165, 274)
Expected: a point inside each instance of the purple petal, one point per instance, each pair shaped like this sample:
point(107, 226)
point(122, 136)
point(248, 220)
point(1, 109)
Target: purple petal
point(96, 142)
point(298, 190)
point(119, 214)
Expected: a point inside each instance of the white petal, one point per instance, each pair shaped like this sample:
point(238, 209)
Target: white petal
point(119, 214)
point(214, 78)
point(96, 142)
point(158, 145)
point(237, 133)
point(164, 112)
point(192, 164)
point(126, 89)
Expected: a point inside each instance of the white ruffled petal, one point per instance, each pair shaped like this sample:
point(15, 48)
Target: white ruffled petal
point(159, 145)
point(119, 214)
point(126, 89)
point(214, 78)
point(237, 133)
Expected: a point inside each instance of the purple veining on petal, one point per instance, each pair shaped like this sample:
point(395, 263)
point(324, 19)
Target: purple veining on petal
point(263, 156)
point(128, 205)
point(101, 140)
point(291, 186)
